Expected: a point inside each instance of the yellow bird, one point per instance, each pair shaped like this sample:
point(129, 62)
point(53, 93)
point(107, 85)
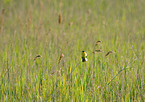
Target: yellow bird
point(84, 56)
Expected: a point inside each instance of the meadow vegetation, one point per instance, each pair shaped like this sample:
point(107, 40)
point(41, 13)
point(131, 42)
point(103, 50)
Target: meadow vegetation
point(59, 30)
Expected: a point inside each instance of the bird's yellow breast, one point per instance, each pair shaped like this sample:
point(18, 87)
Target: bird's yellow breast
point(84, 54)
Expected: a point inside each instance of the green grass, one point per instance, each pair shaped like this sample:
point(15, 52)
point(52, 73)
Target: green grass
point(30, 27)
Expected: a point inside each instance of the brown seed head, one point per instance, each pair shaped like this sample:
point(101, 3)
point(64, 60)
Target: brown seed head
point(37, 57)
point(109, 53)
point(97, 51)
point(70, 24)
point(3, 11)
point(98, 42)
point(59, 18)
point(60, 58)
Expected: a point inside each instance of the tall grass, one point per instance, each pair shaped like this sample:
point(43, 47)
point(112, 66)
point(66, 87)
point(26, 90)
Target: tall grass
point(30, 27)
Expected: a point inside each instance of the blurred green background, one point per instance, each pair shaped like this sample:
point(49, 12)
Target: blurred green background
point(32, 27)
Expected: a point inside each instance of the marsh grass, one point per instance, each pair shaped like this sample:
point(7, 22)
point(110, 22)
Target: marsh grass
point(29, 28)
